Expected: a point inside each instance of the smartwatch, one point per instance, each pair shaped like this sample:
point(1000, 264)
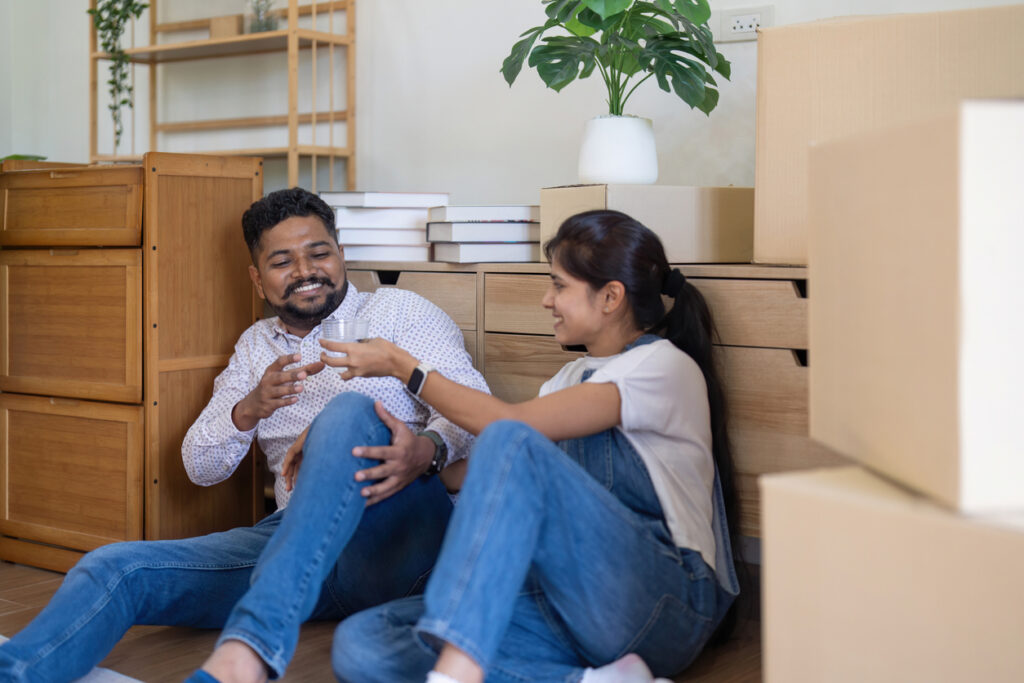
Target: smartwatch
point(418, 377)
point(440, 452)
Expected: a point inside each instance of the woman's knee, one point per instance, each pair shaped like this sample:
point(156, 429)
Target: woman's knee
point(361, 652)
point(502, 442)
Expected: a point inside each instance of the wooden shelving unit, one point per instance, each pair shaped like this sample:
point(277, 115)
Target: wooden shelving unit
point(291, 41)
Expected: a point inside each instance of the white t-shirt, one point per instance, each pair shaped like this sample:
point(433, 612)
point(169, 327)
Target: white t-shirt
point(666, 417)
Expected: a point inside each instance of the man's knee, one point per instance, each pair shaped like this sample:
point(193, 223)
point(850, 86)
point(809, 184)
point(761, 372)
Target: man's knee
point(106, 566)
point(349, 403)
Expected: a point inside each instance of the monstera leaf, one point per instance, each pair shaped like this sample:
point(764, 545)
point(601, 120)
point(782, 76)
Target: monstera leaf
point(622, 40)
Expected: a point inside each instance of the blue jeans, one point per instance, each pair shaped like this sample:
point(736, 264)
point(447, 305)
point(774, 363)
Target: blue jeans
point(551, 564)
point(325, 557)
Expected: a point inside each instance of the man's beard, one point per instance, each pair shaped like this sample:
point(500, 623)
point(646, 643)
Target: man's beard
point(293, 316)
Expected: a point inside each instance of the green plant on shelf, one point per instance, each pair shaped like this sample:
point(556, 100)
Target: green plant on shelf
point(623, 40)
point(262, 18)
point(110, 18)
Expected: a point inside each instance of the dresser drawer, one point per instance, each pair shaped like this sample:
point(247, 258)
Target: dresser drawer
point(766, 313)
point(512, 303)
point(71, 207)
point(71, 323)
point(766, 394)
point(516, 365)
point(453, 293)
point(73, 471)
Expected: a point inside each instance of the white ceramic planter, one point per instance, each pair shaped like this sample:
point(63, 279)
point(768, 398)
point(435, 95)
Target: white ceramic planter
point(618, 149)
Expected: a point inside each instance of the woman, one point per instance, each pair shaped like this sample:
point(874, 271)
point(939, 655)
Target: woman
point(591, 523)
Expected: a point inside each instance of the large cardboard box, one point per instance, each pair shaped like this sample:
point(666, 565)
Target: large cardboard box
point(696, 224)
point(824, 80)
point(916, 318)
point(864, 581)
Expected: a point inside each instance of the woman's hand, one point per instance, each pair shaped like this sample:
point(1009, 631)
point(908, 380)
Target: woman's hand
point(372, 358)
point(293, 460)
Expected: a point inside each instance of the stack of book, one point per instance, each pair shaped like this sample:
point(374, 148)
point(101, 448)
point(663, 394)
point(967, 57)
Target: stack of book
point(470, 234)
point(383, 226)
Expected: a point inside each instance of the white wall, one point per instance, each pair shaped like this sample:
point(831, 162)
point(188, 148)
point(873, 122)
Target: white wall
point(6, 93)
point(433, 110)
point(49, 72)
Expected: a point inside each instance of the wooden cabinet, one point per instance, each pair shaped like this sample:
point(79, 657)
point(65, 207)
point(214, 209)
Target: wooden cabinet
point(761, 317)
point(124, 291)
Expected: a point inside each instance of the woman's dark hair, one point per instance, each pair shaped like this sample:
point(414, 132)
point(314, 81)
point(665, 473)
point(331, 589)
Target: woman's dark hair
point(281, 205)
point(601, 246)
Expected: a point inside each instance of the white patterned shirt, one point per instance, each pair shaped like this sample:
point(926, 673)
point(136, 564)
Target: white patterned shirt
point(213, 446)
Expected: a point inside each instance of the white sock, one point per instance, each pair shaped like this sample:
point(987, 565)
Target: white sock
point(629, 669)
point(438, 677)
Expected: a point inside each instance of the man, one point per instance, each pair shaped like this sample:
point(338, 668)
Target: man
point(272, 389)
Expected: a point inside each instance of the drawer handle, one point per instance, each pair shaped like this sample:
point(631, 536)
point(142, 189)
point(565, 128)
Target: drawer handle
point(64, 402)
point(54, 175)
point(63, 252)
point(388, 277)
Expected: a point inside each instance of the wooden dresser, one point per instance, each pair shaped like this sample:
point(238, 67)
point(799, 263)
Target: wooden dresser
point(760, 312)
point(124, 289)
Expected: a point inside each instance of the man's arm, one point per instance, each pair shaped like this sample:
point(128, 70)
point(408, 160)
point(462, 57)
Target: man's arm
point(214, 446)
point(243, 394)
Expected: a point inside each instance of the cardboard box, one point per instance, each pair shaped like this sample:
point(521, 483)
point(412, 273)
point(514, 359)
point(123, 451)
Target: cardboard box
point(226, 27)
point(696, 224)
point(829, 79)
point(864, 581)
point(916, 319)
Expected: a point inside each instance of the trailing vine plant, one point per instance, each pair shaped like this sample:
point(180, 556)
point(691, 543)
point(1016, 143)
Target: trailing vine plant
point(110, 17)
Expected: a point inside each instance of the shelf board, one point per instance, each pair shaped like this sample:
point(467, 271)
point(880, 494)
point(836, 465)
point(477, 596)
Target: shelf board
point(304, 150)
point(252, 43)
point(340, 116)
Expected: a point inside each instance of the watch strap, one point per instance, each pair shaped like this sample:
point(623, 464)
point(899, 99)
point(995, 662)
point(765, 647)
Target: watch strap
point(440, 452)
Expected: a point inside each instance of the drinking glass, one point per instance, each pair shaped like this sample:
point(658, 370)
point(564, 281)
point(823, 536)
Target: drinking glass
point(344, 330)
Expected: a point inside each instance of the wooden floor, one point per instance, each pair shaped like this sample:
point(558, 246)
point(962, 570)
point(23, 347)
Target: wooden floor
point(161, 653)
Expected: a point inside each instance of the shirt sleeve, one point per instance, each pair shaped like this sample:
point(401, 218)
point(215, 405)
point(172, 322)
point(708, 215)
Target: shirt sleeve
point(645, 377)
point(431, 336)
point(213, 446)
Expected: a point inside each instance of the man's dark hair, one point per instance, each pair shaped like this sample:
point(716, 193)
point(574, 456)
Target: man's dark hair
point(282, 205)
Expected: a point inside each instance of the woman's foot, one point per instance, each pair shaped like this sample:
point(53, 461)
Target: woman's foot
point(629, 669)
point(235, 662)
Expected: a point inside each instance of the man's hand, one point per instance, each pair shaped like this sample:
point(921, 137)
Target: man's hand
point(278, 387)
point(293, 460)
point(406, 458)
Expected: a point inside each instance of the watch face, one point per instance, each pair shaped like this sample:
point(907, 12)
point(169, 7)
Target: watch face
point(416, 381)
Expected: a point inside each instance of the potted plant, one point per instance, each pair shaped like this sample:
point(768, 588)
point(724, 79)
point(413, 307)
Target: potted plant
point(626, 42)
point(109, 18)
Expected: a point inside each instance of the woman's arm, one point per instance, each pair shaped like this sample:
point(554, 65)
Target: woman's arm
point(579, 410)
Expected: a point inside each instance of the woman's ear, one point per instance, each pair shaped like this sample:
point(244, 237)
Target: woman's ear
point(614, 295)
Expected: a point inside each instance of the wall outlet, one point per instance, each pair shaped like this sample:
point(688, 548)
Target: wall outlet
point(734, 25)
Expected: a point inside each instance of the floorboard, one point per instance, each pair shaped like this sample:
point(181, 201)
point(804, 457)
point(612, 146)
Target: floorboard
point(166, 654)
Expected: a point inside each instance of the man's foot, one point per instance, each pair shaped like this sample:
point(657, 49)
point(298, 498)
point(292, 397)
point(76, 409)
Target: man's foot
point(629, 669)
point(235, 662)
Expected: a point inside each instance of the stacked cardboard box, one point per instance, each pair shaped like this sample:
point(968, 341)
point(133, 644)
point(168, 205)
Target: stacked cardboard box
point(915, 334)
point(696, 224)
point(826, 80)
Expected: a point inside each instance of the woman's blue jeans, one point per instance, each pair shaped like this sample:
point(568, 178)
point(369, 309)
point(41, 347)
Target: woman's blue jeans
point(550, 564)
point(325, 557)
